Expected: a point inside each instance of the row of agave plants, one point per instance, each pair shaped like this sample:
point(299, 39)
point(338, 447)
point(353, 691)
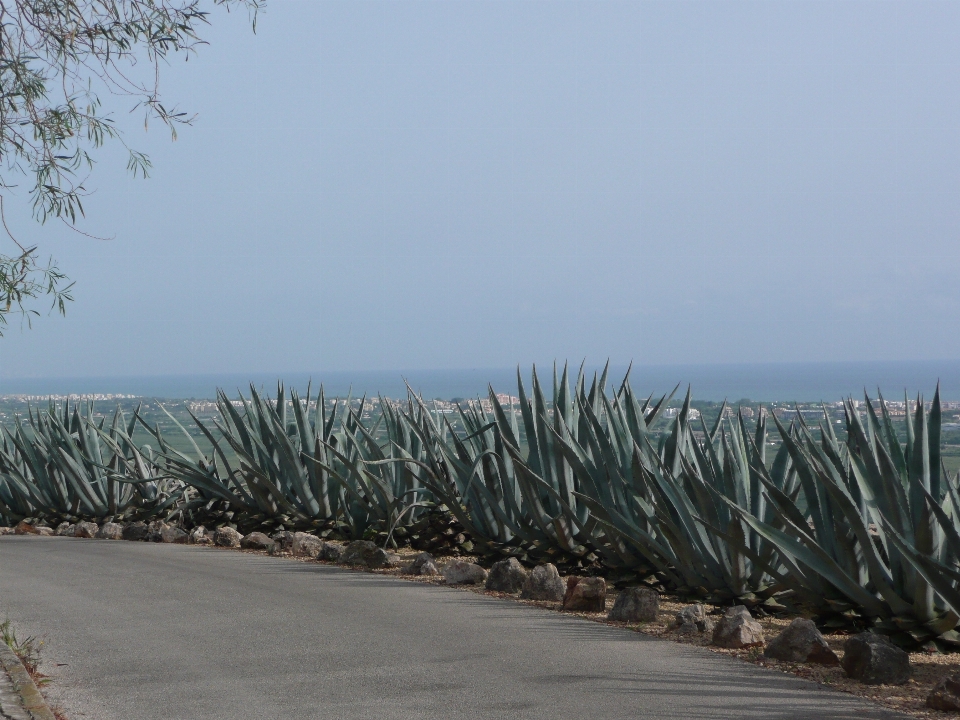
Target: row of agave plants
point(859, 530)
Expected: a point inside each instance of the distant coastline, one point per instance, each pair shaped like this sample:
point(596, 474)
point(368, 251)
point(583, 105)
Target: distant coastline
point(764, 382)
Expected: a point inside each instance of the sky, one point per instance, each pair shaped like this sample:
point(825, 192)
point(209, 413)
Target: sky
point(393, 185)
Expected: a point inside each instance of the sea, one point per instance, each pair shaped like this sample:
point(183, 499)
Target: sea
point(757, 382)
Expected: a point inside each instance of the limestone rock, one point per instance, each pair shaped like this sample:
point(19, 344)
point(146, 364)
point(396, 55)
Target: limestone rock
point(365, 554)
point(154, 528)
point(307, 545)
point(255, 541)
point(65, 529)
point(423, 564)
point(429, 568)
point(737, 629)
point(44, 530)
point(507, 576)
point(332, 552)
point(135, 531)
point(226, 537)
point(543, 583)
point(694, 629)
point(945, 694)
point(86, 530)
point(173, 534)
point(587, 594)
point(874, 660)
point(801, 642)
point(110, 531)
point(284, 540)
point(635, 605)
point(199, 536)
point(691, 620)
point(6, 531)
point(461, 572)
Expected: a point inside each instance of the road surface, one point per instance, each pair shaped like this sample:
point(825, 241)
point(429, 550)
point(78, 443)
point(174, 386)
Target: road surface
point(175, 632)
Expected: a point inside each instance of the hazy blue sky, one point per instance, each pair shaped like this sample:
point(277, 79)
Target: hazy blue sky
point(385, 185)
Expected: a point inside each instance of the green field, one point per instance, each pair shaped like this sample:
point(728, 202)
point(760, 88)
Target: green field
point(150, 410)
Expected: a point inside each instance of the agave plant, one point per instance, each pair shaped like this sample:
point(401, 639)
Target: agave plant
point(382, 483)
point(65, 463)
point(591, 448)
point(255, 468)
point(473, 477)
point(15, 496)
point(591, 483)
point(873, 540)
point(509, 481)
point(281, 462)
point(607, 493)
point(669, 504)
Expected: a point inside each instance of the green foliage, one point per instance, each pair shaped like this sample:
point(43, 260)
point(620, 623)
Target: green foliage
point(676, 503)
point(874, 536)
point(57, 58)
point(294, 461)
point(256, 466)
point(380, 486)
point(863, 530)
point(27, 650)
point(23, 278)
point(64, 463)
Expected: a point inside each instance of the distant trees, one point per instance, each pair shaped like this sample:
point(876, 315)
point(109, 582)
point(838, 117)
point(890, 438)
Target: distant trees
point(57, 58)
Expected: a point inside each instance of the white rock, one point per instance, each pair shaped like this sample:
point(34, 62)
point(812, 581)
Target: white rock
point(365, 554)
point(635, 604)
point(332, 552)
point(507, 576)
point(172, 534)
point(461, 572)
point(226, 537)
point(110, 531)
point(199, 536)
point(307, 545)
point(257, 541)
point(86, 530)
point(544, 583)
point(737, 629)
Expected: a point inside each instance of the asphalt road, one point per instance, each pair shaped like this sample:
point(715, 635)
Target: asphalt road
point(149, 631)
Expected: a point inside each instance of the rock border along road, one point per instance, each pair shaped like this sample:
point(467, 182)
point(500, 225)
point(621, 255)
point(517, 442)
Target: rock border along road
point(19, 697)
point(176, 632)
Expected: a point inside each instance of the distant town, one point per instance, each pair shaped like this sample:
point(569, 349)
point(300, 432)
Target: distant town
point(154, 413)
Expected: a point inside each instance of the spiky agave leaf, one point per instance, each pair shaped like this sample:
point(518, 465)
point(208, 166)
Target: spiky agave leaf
point(63, 462)
point(868, 517)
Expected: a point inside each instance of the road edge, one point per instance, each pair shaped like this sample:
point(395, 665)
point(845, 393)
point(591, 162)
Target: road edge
point(23, 685)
